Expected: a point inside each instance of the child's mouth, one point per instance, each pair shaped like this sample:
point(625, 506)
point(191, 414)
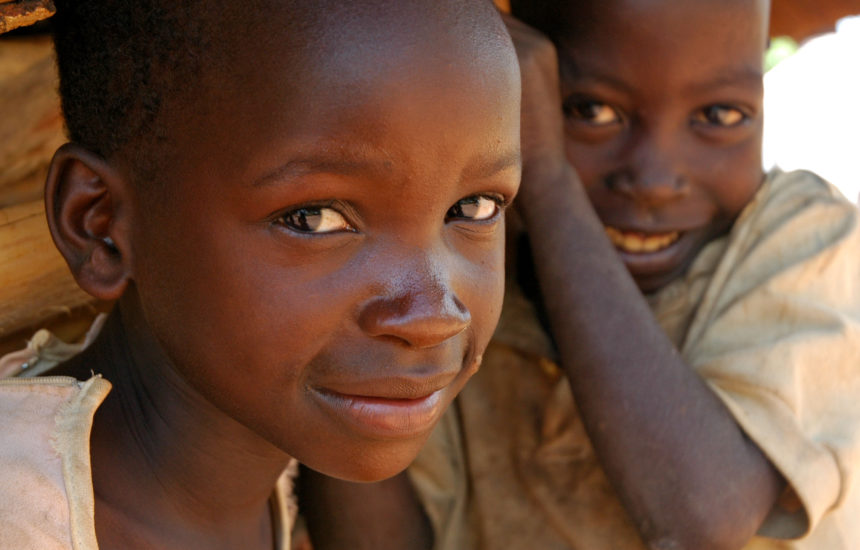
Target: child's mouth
point(385, 416)
point(635, 242)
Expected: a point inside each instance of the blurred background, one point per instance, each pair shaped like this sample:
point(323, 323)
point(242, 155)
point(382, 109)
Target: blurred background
point(812, 101)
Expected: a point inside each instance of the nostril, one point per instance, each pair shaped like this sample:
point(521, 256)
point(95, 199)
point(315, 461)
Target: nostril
point(417, 321)
point(648, 187)
point(674, 181)
point(621, 182)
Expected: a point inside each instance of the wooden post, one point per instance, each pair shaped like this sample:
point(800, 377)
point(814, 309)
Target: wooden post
point(20, 13)
point(35, 283)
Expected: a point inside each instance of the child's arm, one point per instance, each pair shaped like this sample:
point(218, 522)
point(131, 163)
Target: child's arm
point(385, 515)
point(685, 471)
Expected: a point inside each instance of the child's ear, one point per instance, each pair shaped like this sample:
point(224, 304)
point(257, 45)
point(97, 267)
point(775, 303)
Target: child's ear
point(87, 210)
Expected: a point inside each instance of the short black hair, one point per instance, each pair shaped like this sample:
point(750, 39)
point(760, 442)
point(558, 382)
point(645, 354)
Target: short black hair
point(117, 59)
point(554, 18)
point(536, 13)
point(540, 14)
point(125, 66)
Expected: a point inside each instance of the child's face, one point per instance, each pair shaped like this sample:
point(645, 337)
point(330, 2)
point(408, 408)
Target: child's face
point(663, 110)
point(327, 264)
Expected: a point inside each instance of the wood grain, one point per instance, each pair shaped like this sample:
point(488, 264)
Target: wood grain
point(32, 126)
point(35, 283)
point(23, 12)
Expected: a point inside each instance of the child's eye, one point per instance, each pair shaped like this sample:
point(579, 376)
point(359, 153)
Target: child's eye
point(315, 219)
point(476, 208)
point(721, 115)
point(593, 112)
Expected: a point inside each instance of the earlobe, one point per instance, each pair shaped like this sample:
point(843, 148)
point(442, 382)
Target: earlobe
point(84, 204)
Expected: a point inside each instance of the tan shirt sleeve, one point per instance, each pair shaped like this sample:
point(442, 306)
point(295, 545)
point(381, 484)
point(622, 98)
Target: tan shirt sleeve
point(777, 336)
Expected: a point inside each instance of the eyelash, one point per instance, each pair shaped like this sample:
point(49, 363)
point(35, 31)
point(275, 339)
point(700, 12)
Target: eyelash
point(296, 219)
point(499, 202)
point(708, 115)
point(583, 109)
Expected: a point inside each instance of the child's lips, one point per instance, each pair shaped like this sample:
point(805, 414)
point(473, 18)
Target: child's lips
point(654, 258)
point(636, 242)
point(384, 417)
point(389, 409)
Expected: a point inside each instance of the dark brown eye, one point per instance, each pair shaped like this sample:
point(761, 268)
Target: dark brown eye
point(592, 112)
point(475, 208)
point(721, 115)
point(315, 220)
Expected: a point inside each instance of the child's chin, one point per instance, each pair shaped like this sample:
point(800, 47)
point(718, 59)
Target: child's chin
point(374, 464)
point(650, 284)
point(374, 476)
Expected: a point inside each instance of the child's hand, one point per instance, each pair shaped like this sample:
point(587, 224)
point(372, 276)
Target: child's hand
point(548, 179)
point(542, 133)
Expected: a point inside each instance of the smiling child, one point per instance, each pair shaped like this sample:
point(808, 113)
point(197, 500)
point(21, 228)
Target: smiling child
point(708, 348)
point(298, 208)
point(700, 391)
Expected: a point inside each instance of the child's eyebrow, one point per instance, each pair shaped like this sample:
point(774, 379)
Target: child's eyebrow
point(736, 77)
point(490, 165)
point(364, 163)
point(570, 69)
point(340, 162)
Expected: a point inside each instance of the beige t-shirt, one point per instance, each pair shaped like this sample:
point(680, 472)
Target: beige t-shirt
point(768, 315)
point(46, 489)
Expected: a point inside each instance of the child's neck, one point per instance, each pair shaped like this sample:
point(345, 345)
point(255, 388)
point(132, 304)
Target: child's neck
point(168, 467)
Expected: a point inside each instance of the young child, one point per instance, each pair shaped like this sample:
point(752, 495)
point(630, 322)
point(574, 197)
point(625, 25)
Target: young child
point(707, 317)
point(298, 208)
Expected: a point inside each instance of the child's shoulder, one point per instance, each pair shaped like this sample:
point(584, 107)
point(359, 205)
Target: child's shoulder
point(784, 194)
point(776, 333)
point(797, 237)
point(795, 215)
point(46, 496)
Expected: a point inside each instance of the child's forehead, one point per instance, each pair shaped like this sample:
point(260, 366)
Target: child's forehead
point(278, 56)
point(348, 43)
point(666, 36)
point(665, 16)
point(315, 29)
point(291, 84)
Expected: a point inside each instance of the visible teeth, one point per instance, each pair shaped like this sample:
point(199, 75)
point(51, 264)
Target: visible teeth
point(640, 242)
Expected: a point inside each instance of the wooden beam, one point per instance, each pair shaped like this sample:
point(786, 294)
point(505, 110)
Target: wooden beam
point(31, 127)
point(35, 283)
point(36, 288)
point(23, 13)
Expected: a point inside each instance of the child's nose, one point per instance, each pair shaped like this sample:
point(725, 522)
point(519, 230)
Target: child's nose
point(652, 176)
point(420, 309)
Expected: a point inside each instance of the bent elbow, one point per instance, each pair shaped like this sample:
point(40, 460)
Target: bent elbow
point(698, 540)
point(700, 534)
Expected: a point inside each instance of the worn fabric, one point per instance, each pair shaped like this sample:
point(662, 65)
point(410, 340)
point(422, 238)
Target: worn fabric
point(45, 351)
point(46, 489)
point(769, 316)
point(47, 498)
